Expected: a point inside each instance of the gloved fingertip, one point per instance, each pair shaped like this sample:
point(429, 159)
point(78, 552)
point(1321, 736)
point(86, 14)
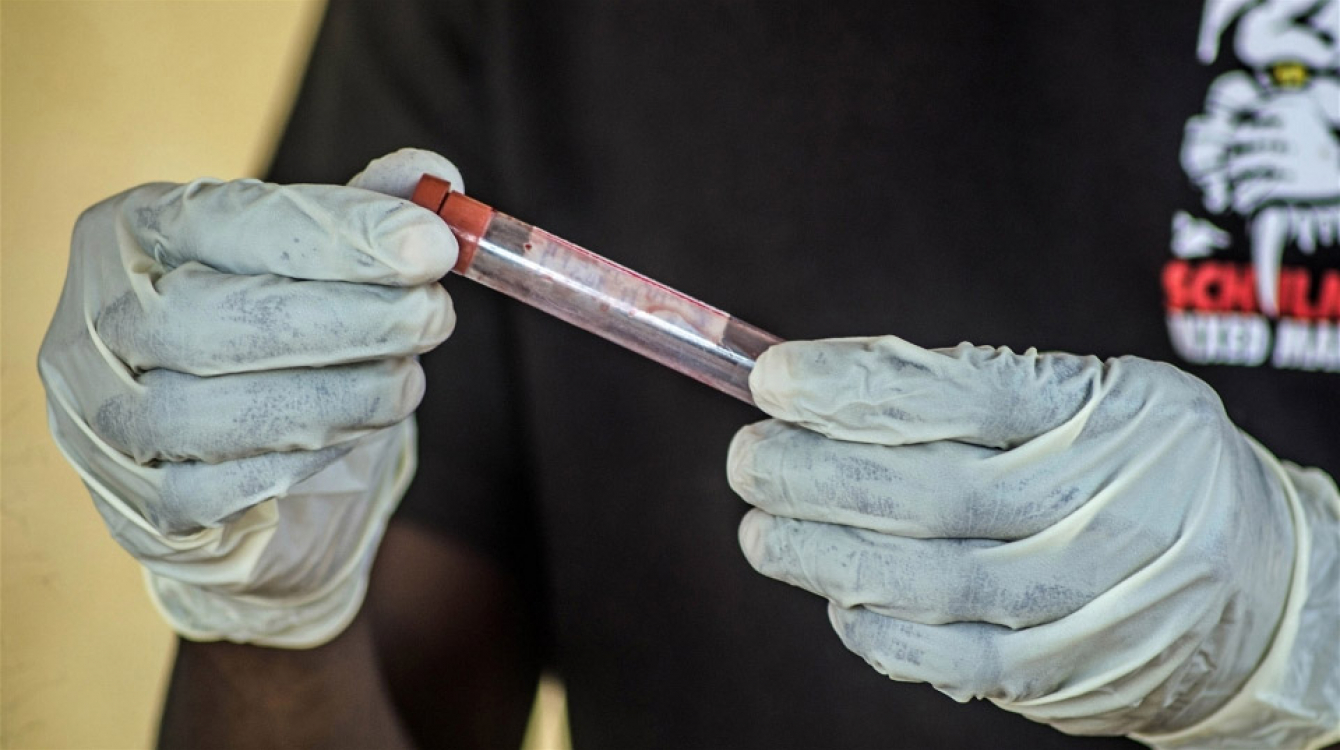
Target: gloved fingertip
point(834, 385)
point(420, 245)
point(771, 382)
point(739, 456)
point(753, 536)
point(413, 387)
point(398, 173)
point(836, 618)
point(444, 323)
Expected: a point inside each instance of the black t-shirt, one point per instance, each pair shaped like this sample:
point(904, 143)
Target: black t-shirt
point(1003, 173)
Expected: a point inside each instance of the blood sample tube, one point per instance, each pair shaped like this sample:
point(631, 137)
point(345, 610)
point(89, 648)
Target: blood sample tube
point(591, 292)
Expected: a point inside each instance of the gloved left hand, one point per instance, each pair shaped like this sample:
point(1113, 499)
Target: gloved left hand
point(1091, 544)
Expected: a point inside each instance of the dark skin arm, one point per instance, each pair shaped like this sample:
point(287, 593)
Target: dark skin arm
point(456, 641)
point(440, 656)
point(230, 695)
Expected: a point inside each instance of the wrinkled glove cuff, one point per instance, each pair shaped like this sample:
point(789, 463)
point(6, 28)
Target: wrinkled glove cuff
point(218, 605)
point(1293, 698)
point(201, 614)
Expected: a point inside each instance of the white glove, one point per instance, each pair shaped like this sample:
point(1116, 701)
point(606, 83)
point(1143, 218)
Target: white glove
point(231, 369)
point(1091, 544)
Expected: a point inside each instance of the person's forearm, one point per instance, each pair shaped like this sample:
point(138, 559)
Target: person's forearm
point(455, 639)
point(229, 695)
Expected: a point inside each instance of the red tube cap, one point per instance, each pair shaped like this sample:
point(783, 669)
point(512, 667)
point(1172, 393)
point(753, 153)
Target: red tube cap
point(468, 218)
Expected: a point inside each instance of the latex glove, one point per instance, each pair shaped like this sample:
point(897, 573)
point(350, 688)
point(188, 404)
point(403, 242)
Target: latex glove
point(231, 369)
point(1091, 544)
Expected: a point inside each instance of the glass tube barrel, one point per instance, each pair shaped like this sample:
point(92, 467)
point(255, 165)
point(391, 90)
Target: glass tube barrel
point(596, 294)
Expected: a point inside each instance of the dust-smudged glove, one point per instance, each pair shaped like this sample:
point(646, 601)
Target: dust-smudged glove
point(232, 368)
point(1092, 544)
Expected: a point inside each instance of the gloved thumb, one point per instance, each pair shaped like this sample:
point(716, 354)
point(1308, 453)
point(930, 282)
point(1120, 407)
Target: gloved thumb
point(398, 172)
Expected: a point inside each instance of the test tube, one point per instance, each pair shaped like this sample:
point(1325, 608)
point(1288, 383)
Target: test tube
point(596, 294)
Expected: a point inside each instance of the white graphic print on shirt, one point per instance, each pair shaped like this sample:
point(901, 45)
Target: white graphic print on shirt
point(1264, 289)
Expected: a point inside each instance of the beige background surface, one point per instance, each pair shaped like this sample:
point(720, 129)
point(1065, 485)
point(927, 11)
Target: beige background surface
point(97, 96)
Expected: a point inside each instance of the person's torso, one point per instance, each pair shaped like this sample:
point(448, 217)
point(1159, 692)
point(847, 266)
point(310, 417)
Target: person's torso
point(1002, 173)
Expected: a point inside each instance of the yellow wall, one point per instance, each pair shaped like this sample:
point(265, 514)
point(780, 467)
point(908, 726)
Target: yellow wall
point(97, 96)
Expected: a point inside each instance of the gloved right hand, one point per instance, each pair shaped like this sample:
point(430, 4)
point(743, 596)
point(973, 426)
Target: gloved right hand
point(231, 369)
